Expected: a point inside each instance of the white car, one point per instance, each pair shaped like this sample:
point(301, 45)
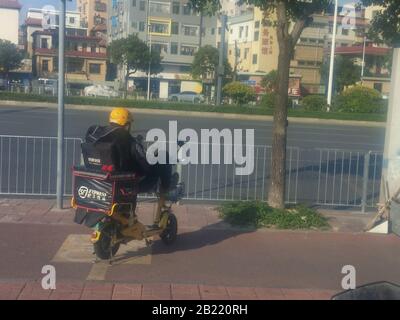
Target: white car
point(98, 90)
point(187, 96)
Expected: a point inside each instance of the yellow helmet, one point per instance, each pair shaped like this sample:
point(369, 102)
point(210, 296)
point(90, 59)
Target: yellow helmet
point(120, 116)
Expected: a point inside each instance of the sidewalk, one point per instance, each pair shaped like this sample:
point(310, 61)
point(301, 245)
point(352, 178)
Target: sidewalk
point(190, 216)
point(74, 290)
point(211, 260)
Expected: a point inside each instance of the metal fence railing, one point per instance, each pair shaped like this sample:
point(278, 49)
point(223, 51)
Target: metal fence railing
point(28, 164)
point(328, 177)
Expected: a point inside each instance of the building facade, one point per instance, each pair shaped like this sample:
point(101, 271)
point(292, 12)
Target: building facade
point(9, 17)
point(252, 44)
point(85, 57)
point(94, 16)
point(39, 20)
point(170, 27)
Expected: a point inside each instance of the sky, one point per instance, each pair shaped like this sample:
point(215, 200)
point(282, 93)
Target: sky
point(26, 4)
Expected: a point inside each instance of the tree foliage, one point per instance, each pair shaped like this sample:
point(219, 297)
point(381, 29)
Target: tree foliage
point(10, 57)
point(239, 92)
point(270, 81)
point(133, 53)
point(385, 26)
point(205, 64)
point(360, 99)
point(346, 72)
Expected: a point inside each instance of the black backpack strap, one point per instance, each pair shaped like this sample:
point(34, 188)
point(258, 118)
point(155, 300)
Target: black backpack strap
point(95, 133)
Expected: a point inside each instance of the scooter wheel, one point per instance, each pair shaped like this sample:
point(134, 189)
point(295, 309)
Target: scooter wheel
point(168, 236)
point(102, 247)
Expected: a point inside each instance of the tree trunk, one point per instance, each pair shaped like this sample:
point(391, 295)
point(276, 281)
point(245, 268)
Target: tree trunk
point(276, 194)
point(126, 83)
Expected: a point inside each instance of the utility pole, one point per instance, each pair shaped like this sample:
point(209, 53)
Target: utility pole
point(363, 60)
point(391, 158)
point(149, 44)
point(221, 69)
point(332, 58)
point(60, 128)
point(236, 62)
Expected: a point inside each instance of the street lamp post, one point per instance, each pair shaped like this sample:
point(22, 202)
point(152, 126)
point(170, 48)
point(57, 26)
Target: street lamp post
point(60, 128)
point(332, 58)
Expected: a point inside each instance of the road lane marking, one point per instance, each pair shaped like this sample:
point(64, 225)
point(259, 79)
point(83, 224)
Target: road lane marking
point(77, 248)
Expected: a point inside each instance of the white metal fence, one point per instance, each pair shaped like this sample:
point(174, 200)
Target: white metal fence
point(329, 177)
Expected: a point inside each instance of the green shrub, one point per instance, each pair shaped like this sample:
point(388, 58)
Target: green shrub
point(259, 214)
point(360, 99)
point(314, 103)
point(268, 100)
point(239, 92)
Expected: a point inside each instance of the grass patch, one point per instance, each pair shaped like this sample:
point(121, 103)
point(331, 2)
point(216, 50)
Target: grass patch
point(259, 214)
point(232, 109)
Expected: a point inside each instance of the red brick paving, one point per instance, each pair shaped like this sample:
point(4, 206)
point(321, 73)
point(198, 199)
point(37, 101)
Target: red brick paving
point(127, 292)
point(156, 292)
point(10, 290)
point(97, 291)
point(185, 292)
point(74, 290)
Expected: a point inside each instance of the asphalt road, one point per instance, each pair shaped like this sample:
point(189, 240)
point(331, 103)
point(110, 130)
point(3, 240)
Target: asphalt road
point(43, 122)
point(325, 162)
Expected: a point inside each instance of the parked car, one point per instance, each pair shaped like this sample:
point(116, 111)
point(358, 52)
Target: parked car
point(187, 96)
point(98, 90)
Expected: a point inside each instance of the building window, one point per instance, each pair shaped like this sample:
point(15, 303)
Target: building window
point(247, 31)
point(345, 32)
point(141, 26)
point(256, 35)
point(174, 48)
point(44, 43)
point(257, 24)
point(188, 50)
point(187, 9)
point(240, 32)
point(142, 5)
point(219, 30)
point(254, 59)
point(175, 28)
point(71, 20)
point(246, 52)
point(45, 65)
point(159, 7)
point(175, 7)
point(160, 47)
point(212, 31)
point(190, 30)
point(94, 68)
point(133, 3)
point(160, 27)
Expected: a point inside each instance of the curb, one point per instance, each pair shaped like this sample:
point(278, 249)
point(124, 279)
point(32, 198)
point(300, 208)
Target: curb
point(197, 114)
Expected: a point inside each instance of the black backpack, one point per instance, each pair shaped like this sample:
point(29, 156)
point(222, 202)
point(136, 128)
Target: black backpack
point(100, 148)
